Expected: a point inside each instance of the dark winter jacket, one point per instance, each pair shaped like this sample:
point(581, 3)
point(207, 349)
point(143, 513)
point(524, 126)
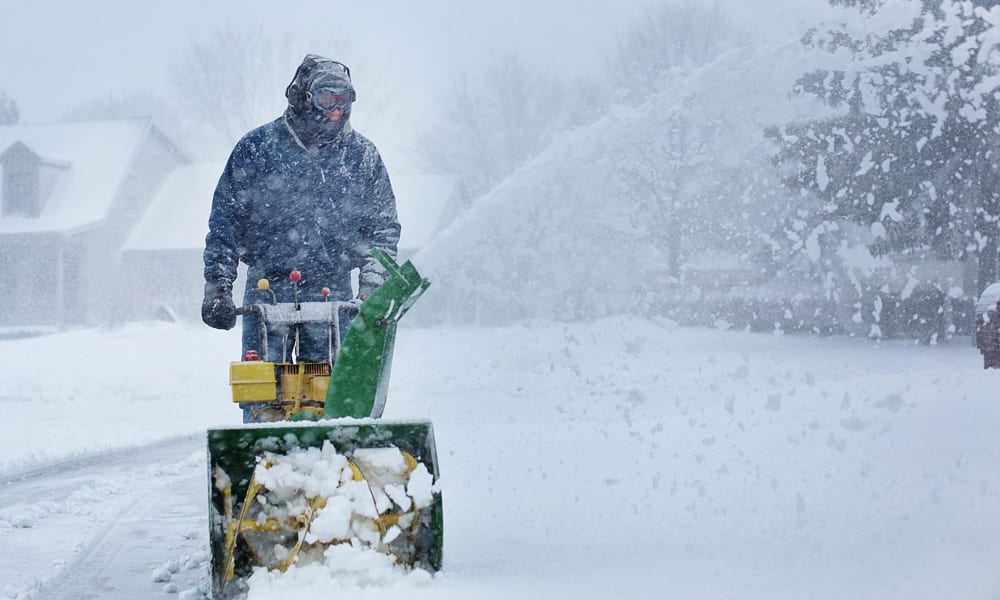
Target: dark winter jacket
point(279, 206)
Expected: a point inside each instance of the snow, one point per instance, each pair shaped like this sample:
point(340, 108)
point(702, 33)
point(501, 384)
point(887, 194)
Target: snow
point(565, 235)
point(822, 179)
point(580, 457)
point(349, 506)
point(618, 458)
point(347, 570)
point(989, 299)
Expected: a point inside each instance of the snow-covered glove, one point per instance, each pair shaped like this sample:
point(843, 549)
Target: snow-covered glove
point(218, 309)
point(368, 282)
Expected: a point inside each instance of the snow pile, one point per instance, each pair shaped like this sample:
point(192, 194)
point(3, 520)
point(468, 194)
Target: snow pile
point(347, 568)
point(351, 505)
point(612, 459)
point(342, 499)
point(77, 390)
point(168, 572)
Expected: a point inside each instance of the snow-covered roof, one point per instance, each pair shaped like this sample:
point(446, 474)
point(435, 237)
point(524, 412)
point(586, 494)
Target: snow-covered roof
point(177, 219)
point(421, 201)
point(178, 216)
point(19, 145)
point(98, 155)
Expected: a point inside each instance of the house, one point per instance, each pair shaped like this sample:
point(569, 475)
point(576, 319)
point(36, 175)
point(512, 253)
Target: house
point(106, 221)
point(162, 258)
point(71, 194)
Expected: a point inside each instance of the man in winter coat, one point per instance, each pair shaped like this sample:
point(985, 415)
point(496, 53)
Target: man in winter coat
point(304, 192)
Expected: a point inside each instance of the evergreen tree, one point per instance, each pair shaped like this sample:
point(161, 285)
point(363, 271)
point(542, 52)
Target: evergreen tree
point(914, 154)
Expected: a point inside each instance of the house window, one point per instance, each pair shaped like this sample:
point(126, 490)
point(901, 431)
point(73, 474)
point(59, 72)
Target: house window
point(20, 194)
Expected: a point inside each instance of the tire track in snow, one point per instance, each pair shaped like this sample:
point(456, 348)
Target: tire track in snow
point(100, 527)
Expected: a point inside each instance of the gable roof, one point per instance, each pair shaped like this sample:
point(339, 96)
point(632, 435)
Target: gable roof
point(19, 147)
point(177, 219)
point(95, 156)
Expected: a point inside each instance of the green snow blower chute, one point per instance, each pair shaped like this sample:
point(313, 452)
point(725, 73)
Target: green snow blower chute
point(324, 472)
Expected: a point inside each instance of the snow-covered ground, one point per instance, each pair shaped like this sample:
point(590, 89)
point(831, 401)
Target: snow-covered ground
point(617, 459)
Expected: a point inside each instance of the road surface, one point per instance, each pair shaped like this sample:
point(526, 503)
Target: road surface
point(129, 524)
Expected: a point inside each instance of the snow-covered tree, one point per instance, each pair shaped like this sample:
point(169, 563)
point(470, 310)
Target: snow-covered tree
point(869, 6)
point(912, 158)
point(9, 114)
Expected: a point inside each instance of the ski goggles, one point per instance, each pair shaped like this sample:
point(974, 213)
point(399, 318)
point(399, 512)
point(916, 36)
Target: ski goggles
point(326, 99)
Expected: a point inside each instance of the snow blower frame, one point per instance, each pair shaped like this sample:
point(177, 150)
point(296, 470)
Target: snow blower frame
point(391, 510)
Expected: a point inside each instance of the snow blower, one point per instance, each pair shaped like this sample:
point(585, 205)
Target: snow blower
point(324, 471)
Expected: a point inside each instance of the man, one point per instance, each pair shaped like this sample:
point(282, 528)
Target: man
point(304, 192)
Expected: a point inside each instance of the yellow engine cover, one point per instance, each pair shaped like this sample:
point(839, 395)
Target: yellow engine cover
point(303, 381)
point(253, 381)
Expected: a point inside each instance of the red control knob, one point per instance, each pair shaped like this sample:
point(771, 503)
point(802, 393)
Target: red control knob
point(250, 356)
point(326, 292)
point(295, 276)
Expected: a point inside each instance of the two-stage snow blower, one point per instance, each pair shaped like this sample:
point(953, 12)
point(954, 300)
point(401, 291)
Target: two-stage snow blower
point(325, 471)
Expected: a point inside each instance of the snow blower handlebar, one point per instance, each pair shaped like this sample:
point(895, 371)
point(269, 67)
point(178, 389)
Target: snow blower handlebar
point(286, 317)
point(361, 363)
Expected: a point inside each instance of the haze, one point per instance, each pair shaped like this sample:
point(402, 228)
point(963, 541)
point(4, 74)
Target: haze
point(60, 53)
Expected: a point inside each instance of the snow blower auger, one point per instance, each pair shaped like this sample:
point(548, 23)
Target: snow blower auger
point(326, 473)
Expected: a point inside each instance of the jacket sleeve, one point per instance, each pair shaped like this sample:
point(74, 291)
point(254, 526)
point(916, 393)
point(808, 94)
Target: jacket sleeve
point(227, 222)
point(380, 228)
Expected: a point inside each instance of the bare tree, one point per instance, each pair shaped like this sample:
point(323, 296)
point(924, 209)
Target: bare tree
point(9, 114)
point(674, 33)
point(668, 164)
point(134, 105)
point(494, 122)
point(233, 81)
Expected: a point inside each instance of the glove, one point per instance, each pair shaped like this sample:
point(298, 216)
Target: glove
point(218, 309)
point(368, 283)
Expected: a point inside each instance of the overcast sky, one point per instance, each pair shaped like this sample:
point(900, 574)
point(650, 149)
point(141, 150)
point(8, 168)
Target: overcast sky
point(58, 53)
